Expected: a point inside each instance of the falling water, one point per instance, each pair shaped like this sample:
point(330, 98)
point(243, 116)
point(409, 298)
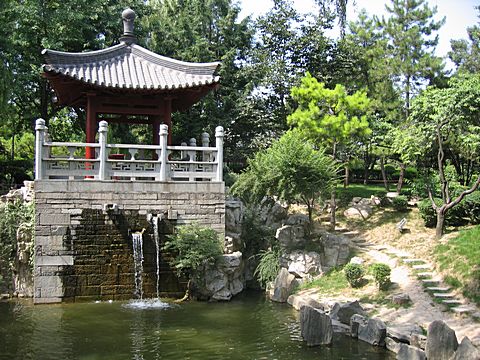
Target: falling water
point(137, 239)
point(157, 248)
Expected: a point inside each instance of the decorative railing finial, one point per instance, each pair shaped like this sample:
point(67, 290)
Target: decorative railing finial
point(128, 37)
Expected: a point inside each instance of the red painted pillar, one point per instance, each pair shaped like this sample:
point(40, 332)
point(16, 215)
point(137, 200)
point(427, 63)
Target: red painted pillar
point(167, 117)
point(91, 126)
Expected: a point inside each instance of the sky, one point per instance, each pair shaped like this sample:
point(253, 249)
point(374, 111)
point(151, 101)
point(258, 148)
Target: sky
point(459, 14)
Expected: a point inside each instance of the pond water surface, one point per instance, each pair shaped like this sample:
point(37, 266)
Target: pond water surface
point(248, 327)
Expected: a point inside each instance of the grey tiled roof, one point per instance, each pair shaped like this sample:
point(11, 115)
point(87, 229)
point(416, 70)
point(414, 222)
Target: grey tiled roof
point(130, 66)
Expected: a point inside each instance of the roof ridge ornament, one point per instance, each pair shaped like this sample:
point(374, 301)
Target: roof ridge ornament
point(128, 37)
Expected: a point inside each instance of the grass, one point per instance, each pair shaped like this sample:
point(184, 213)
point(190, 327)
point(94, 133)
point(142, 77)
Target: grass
point(459, 259)
point(332, 283)
point(383, 298)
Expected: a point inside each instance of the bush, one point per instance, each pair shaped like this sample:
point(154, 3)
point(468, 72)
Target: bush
point(268, 266)
point(400, 203)
point(354, 274)
point(381, 274)
point(472, 207)
point(427, 213)
point(193, 246)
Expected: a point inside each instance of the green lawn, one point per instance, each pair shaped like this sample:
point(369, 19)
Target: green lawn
point(460, 259)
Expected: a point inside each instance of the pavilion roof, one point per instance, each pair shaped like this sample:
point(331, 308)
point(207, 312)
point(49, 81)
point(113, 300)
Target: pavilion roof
point(130, 66)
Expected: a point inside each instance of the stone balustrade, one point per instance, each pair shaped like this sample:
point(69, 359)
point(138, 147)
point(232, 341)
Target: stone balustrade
point(161, 163)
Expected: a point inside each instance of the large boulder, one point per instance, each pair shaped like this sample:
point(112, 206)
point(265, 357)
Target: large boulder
point(407, 352)
point(283, 286)
point(374, 332)
point(316, 326)
point(466, 351)
point(346, 311)
point(403, 333)
point(233, 216)
point(302, 264)
point(357, 322)
point(441, 341)
point(335, 250)
point(363, 211)
point(291, 236)
point(297, 301)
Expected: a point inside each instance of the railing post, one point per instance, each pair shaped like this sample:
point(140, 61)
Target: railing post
point(40, 130)
point(205, 143)
point(163, 148)
point(102, 139)
point(219, 145)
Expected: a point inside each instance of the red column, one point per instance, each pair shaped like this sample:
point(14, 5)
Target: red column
point(91, 126)
point(167, 117)
point(155, 129)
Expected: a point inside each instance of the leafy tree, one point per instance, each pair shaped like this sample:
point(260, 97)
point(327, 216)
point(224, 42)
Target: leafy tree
point(291, 170)
point(466, 54)
point(444, 119)
point(409, 30)
point(329, 116)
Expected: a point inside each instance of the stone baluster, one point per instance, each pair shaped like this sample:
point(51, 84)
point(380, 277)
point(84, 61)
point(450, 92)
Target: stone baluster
point(219, 133)
point(163, 148)
point(40, 130)
point(102, 139)
point(193, 157)
point(205, 143)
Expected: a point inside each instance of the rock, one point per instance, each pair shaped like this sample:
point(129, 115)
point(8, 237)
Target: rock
point(441, 341)
point(231, 260)
point(297, 301)
point(357, 260)
point(363, 211)
point(340, 328)
point(302, 264)
point(297, 219)
point(332, 310)
point(215, 280)
point(223, 295)
point(346, 311)
point(418, 340)
point(233, 215)
point(403, 333)
point(356, 200)
point(336, 250)
point(291, 236)
point(392, 345)
point(375, 200)
point(401, 299)
point(236, 286)
point(408, 352)
point(466, 351)
point(284, 284)
point(373, 333)
point(392, 194)
point(357, 321)
point(316, 326)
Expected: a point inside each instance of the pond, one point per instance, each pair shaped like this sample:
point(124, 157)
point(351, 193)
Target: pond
point(248, 327)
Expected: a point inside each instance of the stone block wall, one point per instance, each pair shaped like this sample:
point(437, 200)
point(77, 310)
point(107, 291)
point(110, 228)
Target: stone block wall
point(83, 245)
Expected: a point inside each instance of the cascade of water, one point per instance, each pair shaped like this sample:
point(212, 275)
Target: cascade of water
point(137, 240)
point(157, 249)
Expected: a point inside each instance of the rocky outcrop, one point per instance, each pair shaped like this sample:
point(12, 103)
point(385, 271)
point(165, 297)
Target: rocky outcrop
point(407, 352)
point(374, 332)
point(357, 322)
point(22, 274)
point(441, 341)
point(316, 326)
point(298, 301)
point(361, 207)
point(291, 236)
point(335, 250)
point(223, 280)
point(283, 286)
point(234, 212)
point(466, 351)
point(301, 264)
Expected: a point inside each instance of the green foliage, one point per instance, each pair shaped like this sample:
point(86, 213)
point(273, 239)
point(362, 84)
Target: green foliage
point(268, 266)
point(192, 247)
point(427, 212)
point(331, 283)
point(460, 259)
point(466, 54)
point(291, 169)
point(255, 235)
point(12, 215)
point(345, 195)
point(381, 274)
point(354, 274)
point(400, 203)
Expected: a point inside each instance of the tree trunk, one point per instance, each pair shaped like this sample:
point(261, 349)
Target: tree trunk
point(384, 175)
point(401, 178)
point(347, 175)
point(12, 150)
point(333, 209)
point(440, 222)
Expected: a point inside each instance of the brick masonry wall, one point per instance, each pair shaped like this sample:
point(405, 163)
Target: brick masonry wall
point(83, 247)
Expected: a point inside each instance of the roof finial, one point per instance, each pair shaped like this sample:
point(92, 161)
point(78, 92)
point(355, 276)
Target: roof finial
point(128, 37)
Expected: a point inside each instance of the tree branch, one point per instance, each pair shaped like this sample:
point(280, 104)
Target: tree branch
point(463, 194)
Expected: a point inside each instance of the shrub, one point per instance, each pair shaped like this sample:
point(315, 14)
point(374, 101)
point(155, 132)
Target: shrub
point(268, 266)
point(400, 203)
point(472, 207)
point(193, 246)
point(381, 274)
point(354, 274)
point(427, 213)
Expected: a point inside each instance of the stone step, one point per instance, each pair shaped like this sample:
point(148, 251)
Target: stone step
point(341, 229)
point(351, 233)
point(359, 240)
point(438, 288)
point(444, 295)
point(410, 261)
point(463, 309)
point(431, 281)
point(422, 267)
point(425, 275)
point(452, 302)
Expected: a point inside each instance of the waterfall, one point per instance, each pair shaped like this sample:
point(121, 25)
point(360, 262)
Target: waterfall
point(157, 249)
point(137, 240)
